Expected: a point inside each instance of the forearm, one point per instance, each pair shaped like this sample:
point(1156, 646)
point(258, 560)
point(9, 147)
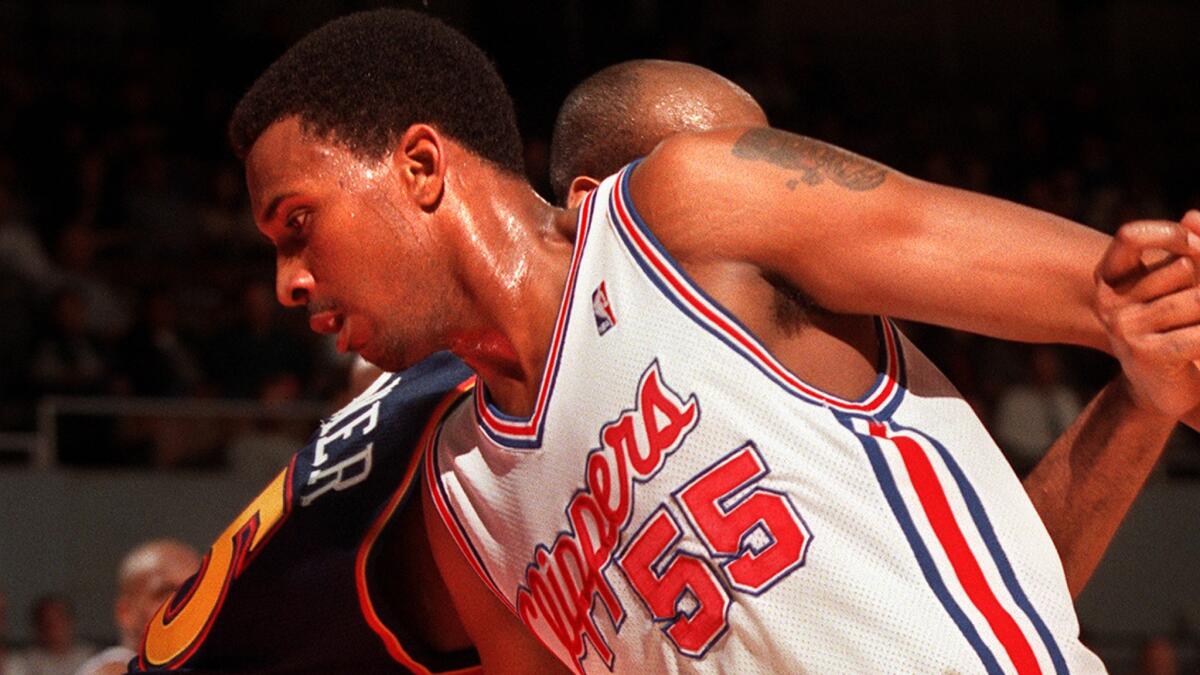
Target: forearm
point(1006, 270)
point(1089, 478)
point(859, 238)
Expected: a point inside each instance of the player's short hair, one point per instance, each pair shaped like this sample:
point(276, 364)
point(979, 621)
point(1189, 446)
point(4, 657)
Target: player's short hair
point(595, 132)
point(363, 79)
point(624, 111)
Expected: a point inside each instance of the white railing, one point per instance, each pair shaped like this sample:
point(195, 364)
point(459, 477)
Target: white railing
point(42, 445)
point(20, 443)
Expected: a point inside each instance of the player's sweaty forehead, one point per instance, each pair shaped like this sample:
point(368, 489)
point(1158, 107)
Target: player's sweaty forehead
point(287, 163)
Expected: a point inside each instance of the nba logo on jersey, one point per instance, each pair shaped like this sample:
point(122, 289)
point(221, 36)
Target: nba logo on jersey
point(605, 318)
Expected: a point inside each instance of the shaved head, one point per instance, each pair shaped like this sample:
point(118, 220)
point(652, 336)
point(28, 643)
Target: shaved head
point(148, 575)
point(623, 111)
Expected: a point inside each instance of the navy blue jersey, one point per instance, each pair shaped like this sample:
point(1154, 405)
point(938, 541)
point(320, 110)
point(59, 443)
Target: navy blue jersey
point(328, 569)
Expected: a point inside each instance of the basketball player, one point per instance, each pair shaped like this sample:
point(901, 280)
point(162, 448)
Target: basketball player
point(485, 266)
point(350, 611)
point(654, 107)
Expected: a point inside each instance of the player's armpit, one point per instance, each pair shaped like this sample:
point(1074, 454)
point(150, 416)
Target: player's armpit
point(503, 642)
point(860, 238)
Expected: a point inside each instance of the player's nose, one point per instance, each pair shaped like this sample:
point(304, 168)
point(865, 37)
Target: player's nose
point(293, 283)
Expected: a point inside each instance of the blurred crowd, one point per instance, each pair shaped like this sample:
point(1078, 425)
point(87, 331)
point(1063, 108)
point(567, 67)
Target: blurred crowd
point(145, 578)
point(129, 264)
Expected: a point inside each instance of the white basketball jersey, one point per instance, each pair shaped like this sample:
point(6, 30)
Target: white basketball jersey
point(680, 502)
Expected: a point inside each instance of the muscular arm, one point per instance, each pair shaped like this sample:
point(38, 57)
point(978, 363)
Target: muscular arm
point(859, 238)
point(1085, 484)
point(1089, 478)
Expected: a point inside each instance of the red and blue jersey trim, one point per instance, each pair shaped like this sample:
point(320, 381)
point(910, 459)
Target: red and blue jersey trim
point(881, 399)
point(526, 432)
point(447, 514)
point(441, 501)
point(907, 465)
point(416, 663)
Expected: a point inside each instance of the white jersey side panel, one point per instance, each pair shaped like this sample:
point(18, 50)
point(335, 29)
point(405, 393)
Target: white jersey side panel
point(679, 502)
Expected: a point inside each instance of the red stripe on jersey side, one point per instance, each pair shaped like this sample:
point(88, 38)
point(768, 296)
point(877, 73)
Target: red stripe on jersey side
point(444, 512)
point(938, 511)
point(447, 517)
point(390, 641)
point(529, 428)
point(684, 290)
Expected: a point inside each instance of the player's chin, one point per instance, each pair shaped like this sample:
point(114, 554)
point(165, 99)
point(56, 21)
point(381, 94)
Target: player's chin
point(389, 357)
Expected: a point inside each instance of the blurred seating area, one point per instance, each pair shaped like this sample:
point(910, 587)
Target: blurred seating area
point(130, 266)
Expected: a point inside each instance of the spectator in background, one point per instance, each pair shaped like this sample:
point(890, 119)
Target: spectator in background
point(22, 256)
point(55, 651)
point(67, 359)
point(107, 312)
point(26, 275)
point(1033, 412)
point(257, 348)
point(154, 359)
point(148, 575)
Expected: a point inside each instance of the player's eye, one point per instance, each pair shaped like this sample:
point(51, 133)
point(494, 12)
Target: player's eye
point(296, 221)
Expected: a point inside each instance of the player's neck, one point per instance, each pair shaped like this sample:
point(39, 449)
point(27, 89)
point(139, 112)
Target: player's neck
point(515, 268)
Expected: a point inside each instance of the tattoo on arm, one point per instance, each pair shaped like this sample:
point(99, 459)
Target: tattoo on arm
point(816, 161)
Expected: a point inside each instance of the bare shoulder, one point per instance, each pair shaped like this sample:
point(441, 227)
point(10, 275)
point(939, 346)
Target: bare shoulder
point(711, 154)
point(729, 191)
point(681, 188)
point(682, 164)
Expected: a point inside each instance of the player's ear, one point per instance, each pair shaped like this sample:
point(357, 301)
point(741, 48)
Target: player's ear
point(579, 189)
point(419, 157)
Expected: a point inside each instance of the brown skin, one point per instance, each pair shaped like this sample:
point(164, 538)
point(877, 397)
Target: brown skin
point(1088, 480)
point(470, 238)
point(494, 296)
point(503, 259)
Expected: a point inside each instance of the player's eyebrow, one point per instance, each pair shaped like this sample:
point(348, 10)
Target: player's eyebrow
point(269, 213)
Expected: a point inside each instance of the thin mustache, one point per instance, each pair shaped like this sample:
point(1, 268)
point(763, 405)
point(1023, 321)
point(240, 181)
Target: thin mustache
point(320, 307)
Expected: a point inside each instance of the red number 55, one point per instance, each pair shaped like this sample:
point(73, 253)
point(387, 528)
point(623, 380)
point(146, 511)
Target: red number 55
point(757, 533)
point(760, 535)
